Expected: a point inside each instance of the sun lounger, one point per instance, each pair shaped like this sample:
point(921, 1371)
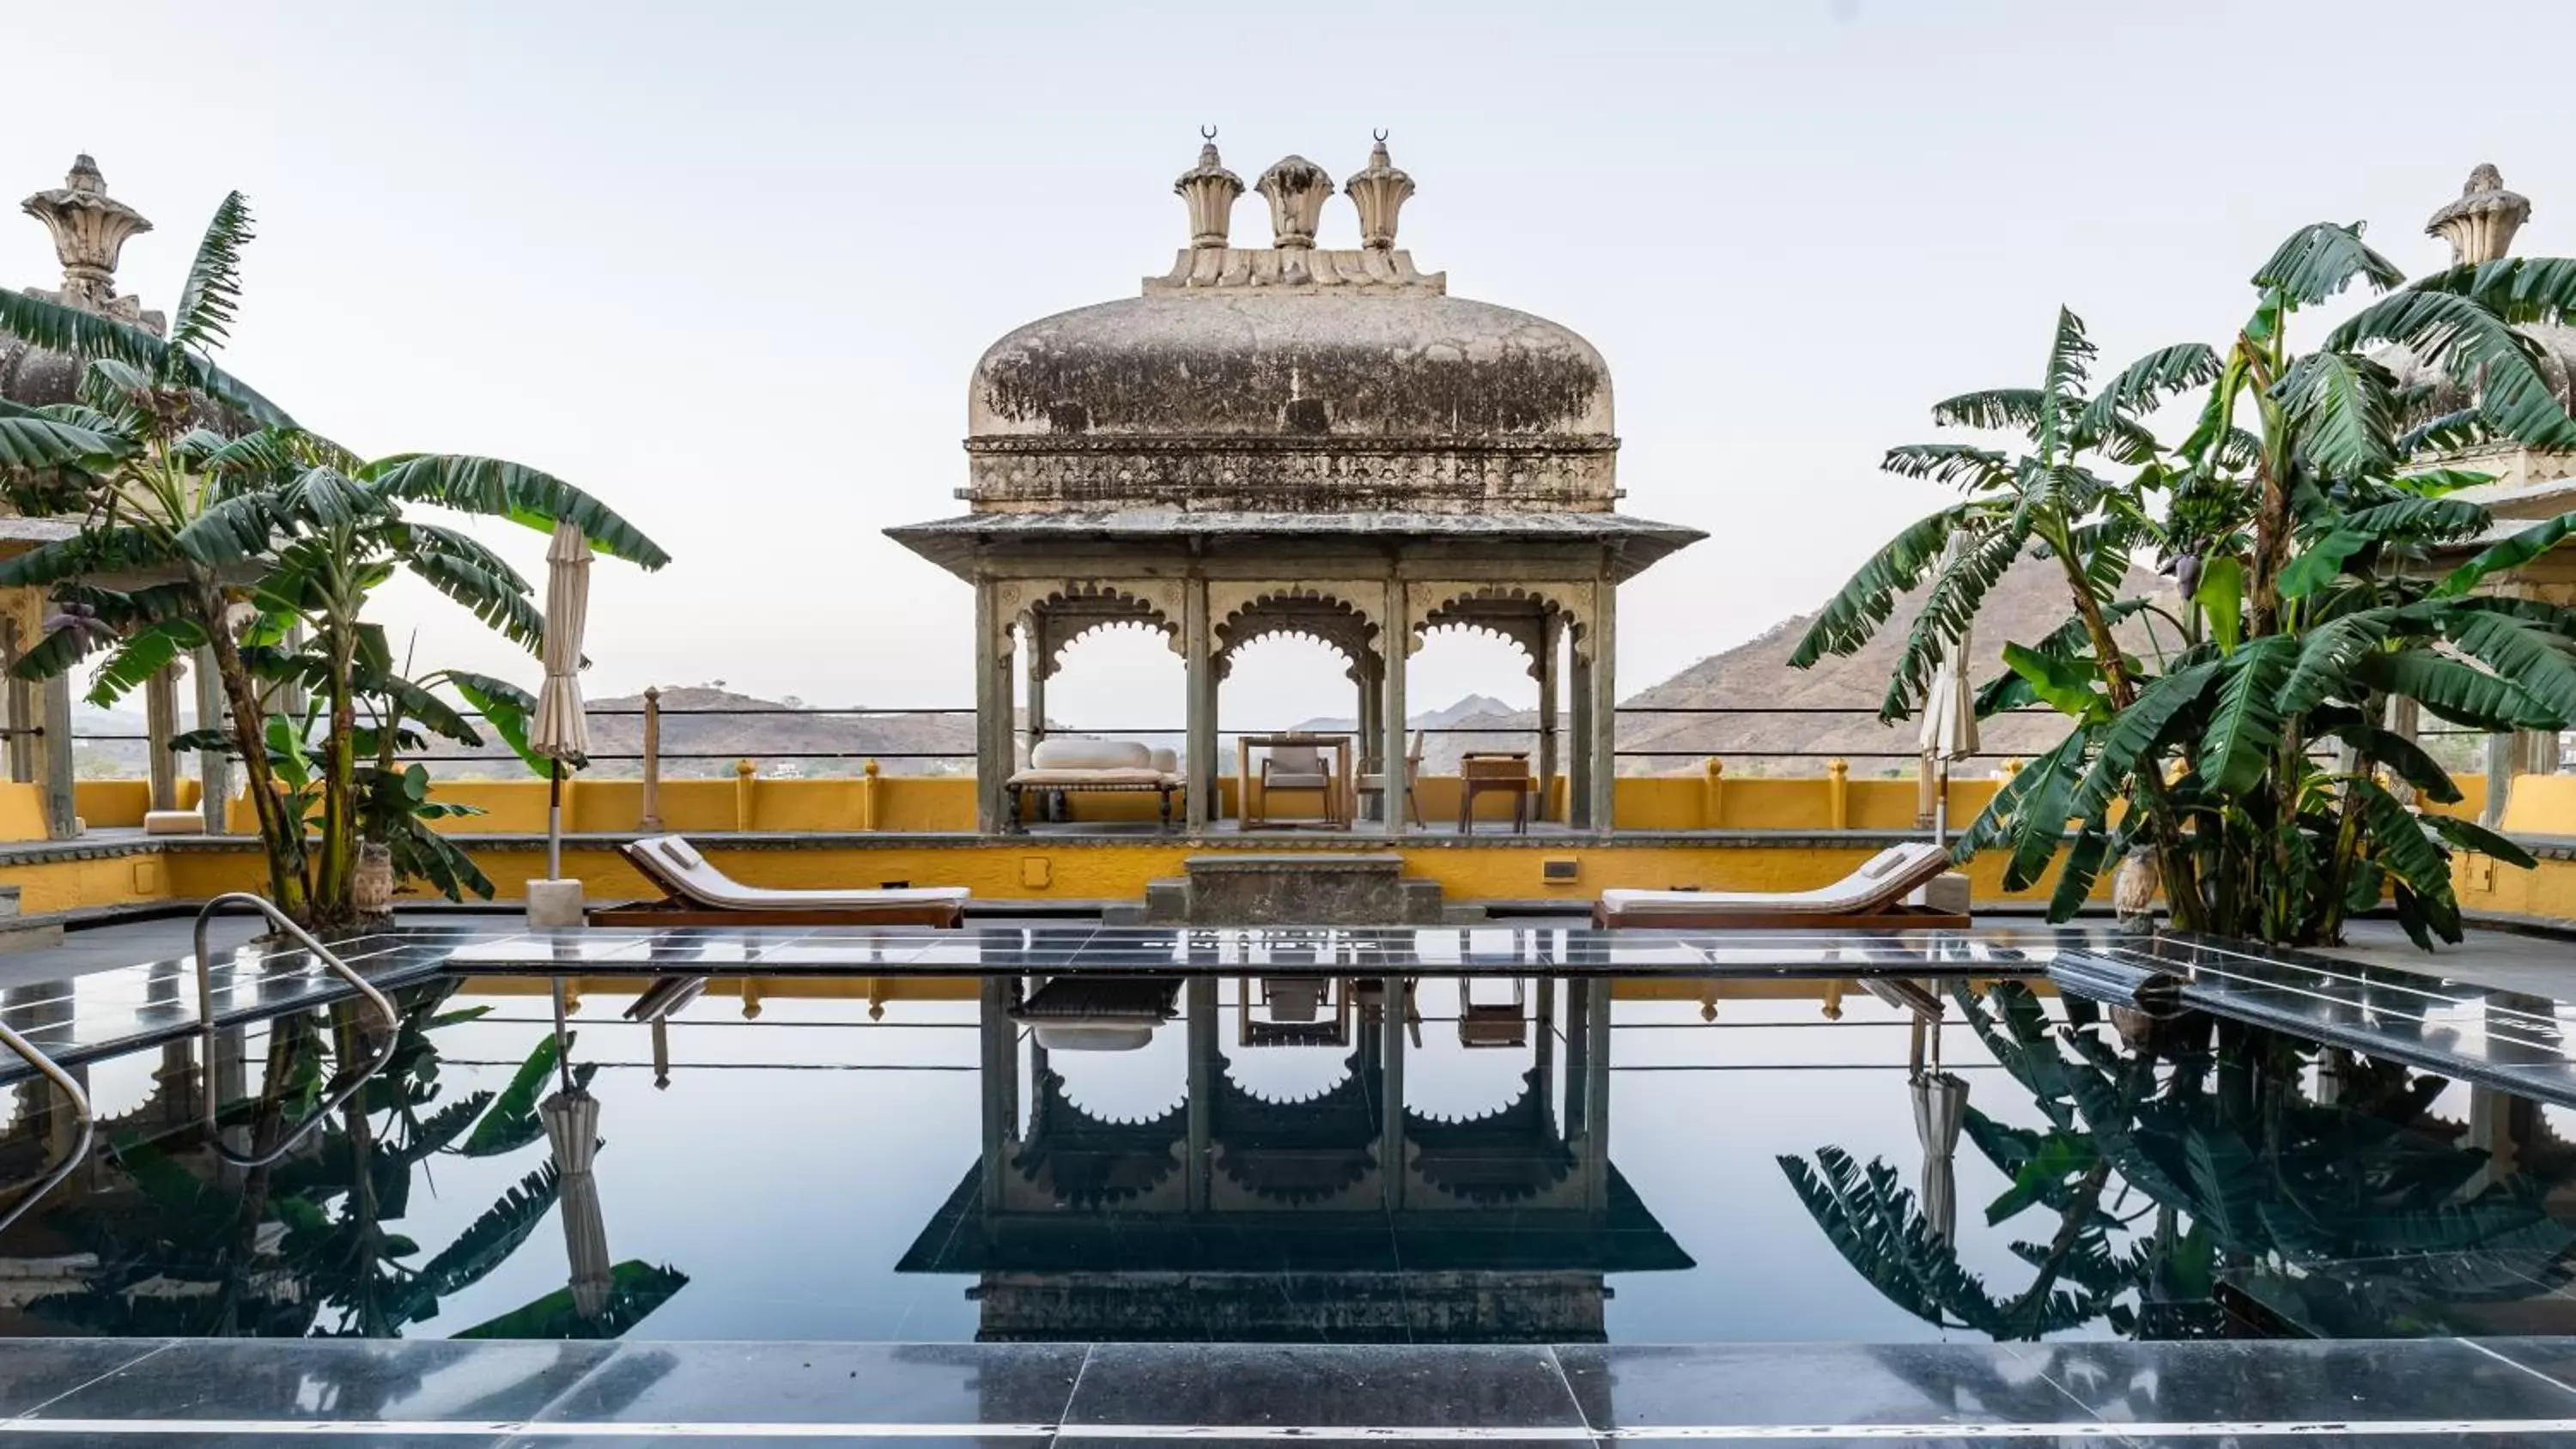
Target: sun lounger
point(695, 893)
point(1870, 898)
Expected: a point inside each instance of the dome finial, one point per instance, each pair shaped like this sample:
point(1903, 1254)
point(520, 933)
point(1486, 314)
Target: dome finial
point(1210, 190)
point(2480, 225)
point(1296, 188)
point(90, 229)
point(1379, 190)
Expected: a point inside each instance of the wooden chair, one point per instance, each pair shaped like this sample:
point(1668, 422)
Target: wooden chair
point(1297, 769)
point(1487, 774)
point(1373, 782)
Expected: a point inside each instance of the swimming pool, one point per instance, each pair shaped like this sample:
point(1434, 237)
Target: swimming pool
point(1625, 1158)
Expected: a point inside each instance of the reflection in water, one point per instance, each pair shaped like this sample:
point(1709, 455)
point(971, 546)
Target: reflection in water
point(2196, 1178)
point(1330, 1149)
point(176, 1236)
point(1337, 1215)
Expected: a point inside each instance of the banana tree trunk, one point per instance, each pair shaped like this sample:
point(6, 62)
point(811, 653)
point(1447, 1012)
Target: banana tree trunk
point(283, 837)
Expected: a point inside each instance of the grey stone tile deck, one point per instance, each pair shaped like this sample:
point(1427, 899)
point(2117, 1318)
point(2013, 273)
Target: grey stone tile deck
point(2421, 1393)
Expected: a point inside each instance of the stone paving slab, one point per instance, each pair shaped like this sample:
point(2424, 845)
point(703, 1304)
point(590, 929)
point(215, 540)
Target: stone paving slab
point(2421, 1393)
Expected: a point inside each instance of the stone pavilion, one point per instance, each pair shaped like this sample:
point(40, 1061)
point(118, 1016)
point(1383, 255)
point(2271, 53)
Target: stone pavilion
point(1300, 439)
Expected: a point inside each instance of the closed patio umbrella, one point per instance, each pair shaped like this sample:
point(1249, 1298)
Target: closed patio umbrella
point(1940, 1105)
point(560, 732)
point(572, 1128)
point(1949, 727)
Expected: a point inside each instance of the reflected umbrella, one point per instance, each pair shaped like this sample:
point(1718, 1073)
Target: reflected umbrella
point(1940, 1105)
point(572, 1127)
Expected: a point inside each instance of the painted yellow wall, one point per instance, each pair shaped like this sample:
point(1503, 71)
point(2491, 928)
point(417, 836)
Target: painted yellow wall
point(2541, 805)
point(65, 885)
point(22, 811)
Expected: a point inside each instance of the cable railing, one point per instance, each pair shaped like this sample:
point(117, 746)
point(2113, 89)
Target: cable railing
point(653, 755)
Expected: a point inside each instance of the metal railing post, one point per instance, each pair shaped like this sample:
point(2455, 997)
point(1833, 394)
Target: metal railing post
point(651, 823)
point(65, 1083)
point(206, 1023)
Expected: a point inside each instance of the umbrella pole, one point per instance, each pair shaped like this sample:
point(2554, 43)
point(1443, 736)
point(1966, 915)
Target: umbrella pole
point(1941, 802)
point(554, 821)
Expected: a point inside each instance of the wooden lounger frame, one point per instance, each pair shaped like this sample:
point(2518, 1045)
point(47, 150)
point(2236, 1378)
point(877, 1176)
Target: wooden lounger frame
point(676, 909)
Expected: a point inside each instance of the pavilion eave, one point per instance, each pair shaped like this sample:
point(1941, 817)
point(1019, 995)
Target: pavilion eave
point(954, 543)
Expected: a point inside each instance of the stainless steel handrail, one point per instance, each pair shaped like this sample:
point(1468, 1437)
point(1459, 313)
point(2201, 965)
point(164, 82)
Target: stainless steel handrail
point(206, 1024)
point(71, 1088)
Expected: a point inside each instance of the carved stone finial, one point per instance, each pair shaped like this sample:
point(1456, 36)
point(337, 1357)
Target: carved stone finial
point(1297, 188)
point(2480, 225)
point(90, 228)
point(1379, 191)
point(1210, 190)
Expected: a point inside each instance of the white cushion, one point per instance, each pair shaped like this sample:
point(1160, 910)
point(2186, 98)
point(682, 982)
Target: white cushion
point(1167, 761)
point(1883, 862)
point(1076, 754)
point(1856, 894)
point(173, 822)
point(711, 888)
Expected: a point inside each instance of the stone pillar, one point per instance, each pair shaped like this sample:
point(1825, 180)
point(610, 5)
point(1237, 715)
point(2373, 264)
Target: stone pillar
point(1390, 1129)
point(1578, 764)
point(1602, 744)
point(2500, 774)
point(161, 724)
point(1596, 1095)
point(61, 813)
point(1205, 1073)
point(1037, 666)
point(998, 1040)
point(214, 772)
point(1551, 658)
point(1393, 737)
point(993, 714)
point(1198, 678)
point(1372, 741)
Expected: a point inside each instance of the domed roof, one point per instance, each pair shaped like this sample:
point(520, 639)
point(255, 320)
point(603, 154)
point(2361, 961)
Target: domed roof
point(1242, 361)
point(1293, 340)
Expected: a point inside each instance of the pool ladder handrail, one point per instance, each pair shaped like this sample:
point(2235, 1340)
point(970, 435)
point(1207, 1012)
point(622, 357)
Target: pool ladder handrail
point(206, 1024)
point(65, 1083)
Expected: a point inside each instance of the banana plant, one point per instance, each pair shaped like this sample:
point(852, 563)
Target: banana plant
point(202, 504)
point(2325, 567)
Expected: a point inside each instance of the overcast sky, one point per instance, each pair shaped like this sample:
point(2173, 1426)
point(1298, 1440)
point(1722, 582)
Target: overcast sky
point(729, 266)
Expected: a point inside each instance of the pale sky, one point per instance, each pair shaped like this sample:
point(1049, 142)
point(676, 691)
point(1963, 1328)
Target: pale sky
point(730, 266)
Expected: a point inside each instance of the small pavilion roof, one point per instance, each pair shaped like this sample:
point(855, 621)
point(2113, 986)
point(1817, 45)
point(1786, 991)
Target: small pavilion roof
point(952, 542)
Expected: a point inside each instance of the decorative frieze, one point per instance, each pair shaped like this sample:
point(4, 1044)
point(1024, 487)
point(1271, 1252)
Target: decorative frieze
point(1040, 473)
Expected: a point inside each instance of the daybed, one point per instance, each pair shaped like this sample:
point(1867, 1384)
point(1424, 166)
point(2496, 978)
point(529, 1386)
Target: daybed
point(1094, 765)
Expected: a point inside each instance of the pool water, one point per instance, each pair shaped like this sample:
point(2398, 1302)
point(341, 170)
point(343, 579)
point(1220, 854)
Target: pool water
point(1632, 1160)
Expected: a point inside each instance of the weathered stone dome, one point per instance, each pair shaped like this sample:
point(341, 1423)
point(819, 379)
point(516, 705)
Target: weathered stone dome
point(1292, 379)
point(1265, 362)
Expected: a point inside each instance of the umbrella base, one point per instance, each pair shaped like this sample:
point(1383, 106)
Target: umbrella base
point(554, 904)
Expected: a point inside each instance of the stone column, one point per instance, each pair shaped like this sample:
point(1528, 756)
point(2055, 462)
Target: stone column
point(214, 772)
point(1578, 763)
point(1596, 1095)
point(2500, 773)
point(1602, 743)
point(61, 811)
point(993, 714)
point(1037, 666)
point(1390, 1130)
point(1551, 650)
point(1204, 1083)
point(161, 724)
point(1198, 677)
point(1394, 738)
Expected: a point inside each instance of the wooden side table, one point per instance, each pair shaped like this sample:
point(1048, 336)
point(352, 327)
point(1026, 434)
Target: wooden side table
point(1482, 772)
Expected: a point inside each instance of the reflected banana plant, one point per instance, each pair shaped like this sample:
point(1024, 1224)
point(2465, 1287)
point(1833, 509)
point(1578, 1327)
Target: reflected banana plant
point(2201, 1170)
point(312, 1244)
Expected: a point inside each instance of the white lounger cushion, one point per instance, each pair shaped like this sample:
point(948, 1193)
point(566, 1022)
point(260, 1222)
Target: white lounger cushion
point(1141, 779)
point(1107, 1035)
point(1879, 882)
point(1074, 754)
point(710, 887)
